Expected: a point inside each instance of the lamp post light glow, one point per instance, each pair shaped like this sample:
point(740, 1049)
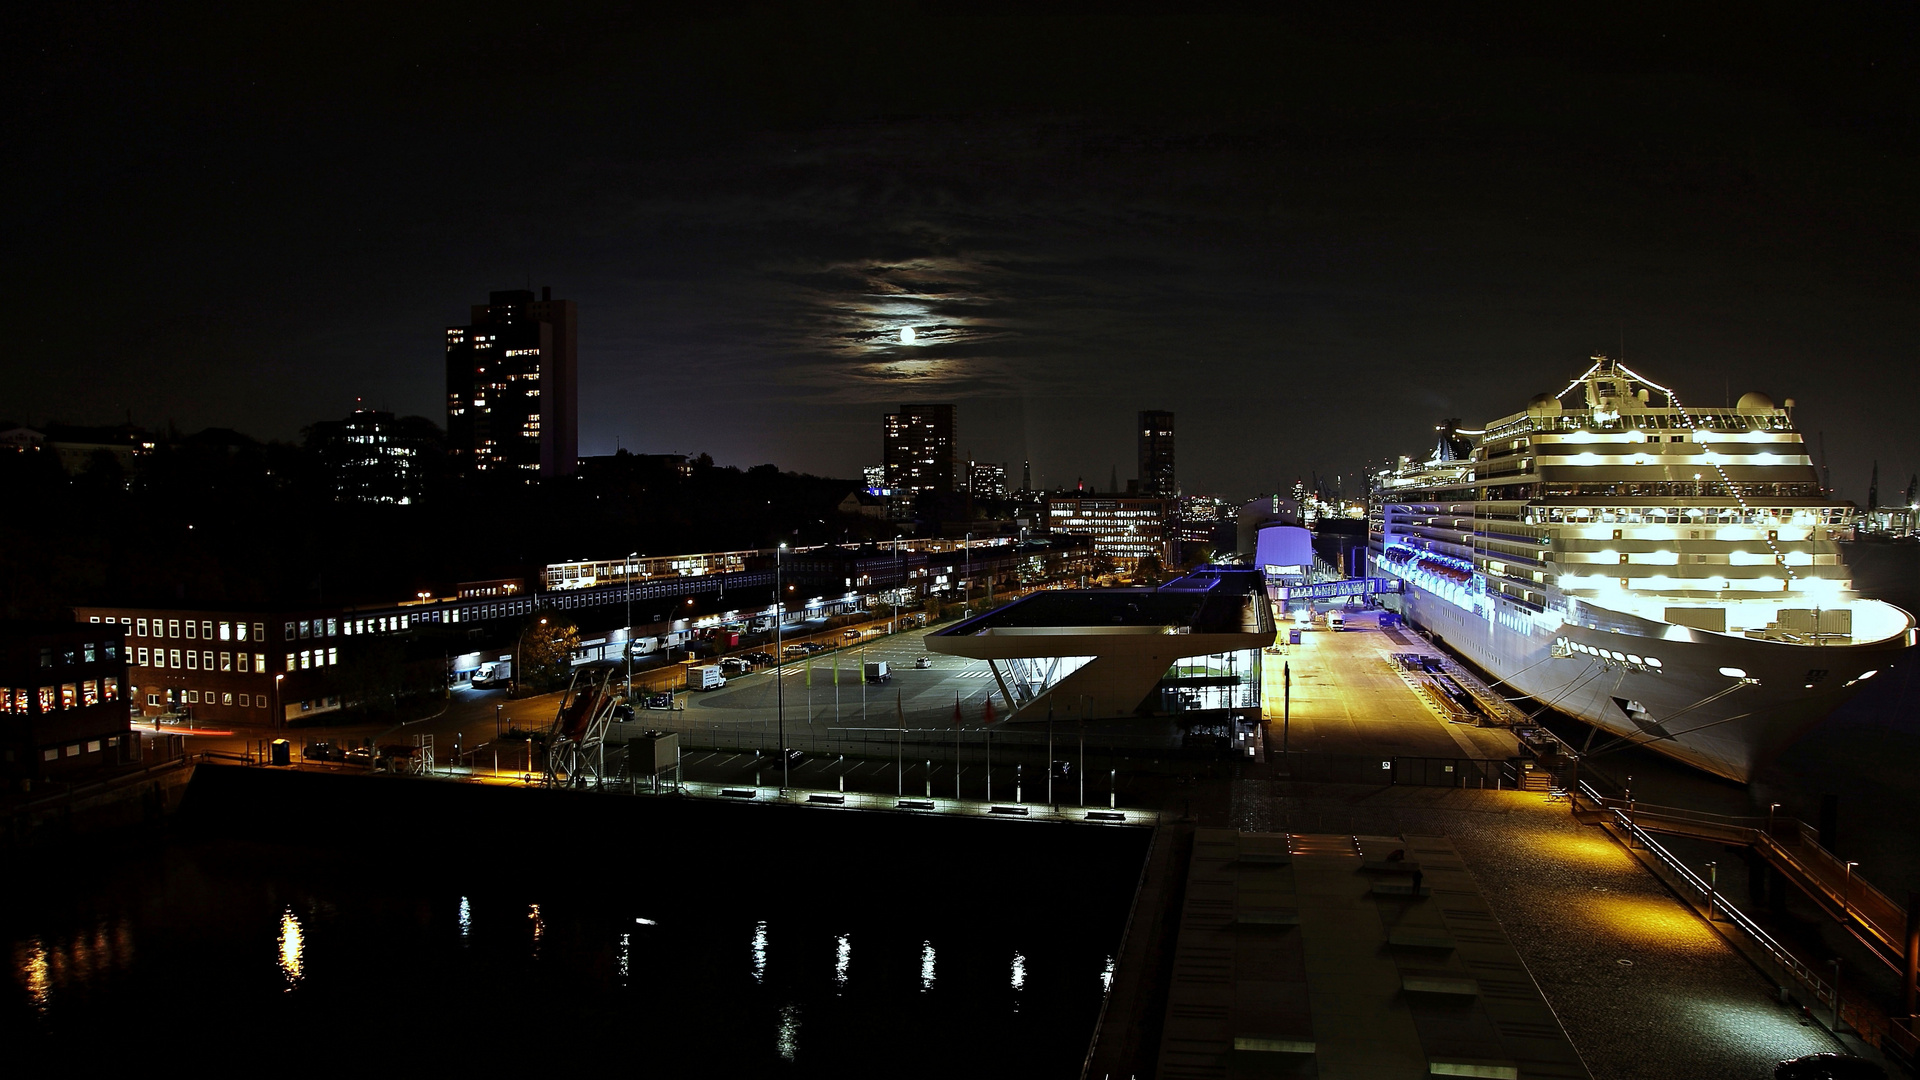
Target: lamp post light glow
point(780, 659)
point(630, 558)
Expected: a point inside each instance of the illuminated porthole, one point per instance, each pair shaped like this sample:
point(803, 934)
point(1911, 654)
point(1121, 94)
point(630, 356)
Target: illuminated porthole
point(1632, 659)
point(1734, 672)
point(1653, 661)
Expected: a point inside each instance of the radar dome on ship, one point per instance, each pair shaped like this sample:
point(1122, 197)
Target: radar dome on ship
point(1754, 401)
point(1545, 404)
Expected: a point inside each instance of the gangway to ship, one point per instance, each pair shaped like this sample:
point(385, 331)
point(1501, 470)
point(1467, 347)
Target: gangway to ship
point(1334, 590)
point(576, 743)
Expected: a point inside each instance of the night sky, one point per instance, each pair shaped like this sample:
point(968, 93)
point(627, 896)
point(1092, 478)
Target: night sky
point(1311, 236)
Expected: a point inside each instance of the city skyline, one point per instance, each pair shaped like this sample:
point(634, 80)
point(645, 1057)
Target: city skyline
point(1331, 249)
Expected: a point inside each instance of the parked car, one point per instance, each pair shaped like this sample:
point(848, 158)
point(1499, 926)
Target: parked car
point(796, 649)
point(323, 751)
point(923, 662)
point(760, 657)
point(359, 755)
point(660, 701)
point(1828, 1066)
point(813, 646)
point(736, 665)
point(851, 635)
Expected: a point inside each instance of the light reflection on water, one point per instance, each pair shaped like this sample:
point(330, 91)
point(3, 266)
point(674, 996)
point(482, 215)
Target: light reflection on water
point(293, 945)
point(205, 915)
point(1106, 976)
point(760, 952)
point(35, 974)
point(788, 1039)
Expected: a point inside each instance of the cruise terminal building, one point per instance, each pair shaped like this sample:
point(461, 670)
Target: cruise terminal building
point(1191, 645)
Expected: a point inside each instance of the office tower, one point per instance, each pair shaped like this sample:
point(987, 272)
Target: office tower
point(372, 457)
point(512, 396)
point(1156, 454)
point(918, 455)
point(987, 480)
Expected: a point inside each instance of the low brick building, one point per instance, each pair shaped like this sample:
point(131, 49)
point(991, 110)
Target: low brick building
point(63, 698)
point(228, 667)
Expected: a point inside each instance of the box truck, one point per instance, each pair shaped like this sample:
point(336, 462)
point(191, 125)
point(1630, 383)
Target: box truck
point(705, 678)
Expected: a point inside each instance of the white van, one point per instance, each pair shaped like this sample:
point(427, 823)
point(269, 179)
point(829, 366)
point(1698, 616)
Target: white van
point(1336, 621)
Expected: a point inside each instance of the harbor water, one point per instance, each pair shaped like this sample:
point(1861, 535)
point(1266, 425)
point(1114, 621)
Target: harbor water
point(743, 941)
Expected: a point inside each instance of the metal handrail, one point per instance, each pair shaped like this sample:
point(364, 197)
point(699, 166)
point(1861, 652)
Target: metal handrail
point(1822, 992)
point(1860, 900)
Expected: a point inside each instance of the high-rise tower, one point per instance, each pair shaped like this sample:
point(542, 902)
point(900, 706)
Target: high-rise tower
point(512, 395)
point(918, 455)
point(1156, 454)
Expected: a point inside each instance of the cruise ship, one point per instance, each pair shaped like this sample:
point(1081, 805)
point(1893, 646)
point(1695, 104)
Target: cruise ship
point(1667, 573)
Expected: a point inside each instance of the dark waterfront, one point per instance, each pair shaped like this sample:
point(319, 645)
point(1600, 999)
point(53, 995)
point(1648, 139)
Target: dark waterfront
point(766, 942)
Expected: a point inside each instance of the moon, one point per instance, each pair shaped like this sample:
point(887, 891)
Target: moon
point(906, 335)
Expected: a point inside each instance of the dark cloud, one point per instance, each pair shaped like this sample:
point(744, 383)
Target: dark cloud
point(1309, 236)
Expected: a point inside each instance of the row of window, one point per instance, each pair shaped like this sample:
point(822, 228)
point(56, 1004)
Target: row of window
point(194, 629)
point(213, 697)
point(243, 663)
point(312, 658)
point(20, 701)
point(54, 753)
point(85, 653)
point(196, 660)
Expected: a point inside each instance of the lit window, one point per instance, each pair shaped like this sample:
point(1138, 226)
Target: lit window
point(193, 660)
point(226, 660)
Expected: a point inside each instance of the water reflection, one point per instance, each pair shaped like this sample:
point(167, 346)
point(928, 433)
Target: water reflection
point(1106, 976)
point(788, 1038)
point(1019, 978)
point(842, 954)
point(621, 963)
point(539, 927)
point(760, 952)
point(292, 947)
point(31, 959)
point(466, 920)
point(926, 967)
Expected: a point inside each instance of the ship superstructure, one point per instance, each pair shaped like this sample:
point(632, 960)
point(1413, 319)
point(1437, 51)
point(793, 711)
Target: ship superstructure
point(1670, 574)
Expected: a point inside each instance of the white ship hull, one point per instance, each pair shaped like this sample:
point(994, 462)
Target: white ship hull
point(1686, 707)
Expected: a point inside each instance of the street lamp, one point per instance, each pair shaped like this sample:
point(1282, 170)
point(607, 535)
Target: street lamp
point(780, 659)
point(630, 557)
